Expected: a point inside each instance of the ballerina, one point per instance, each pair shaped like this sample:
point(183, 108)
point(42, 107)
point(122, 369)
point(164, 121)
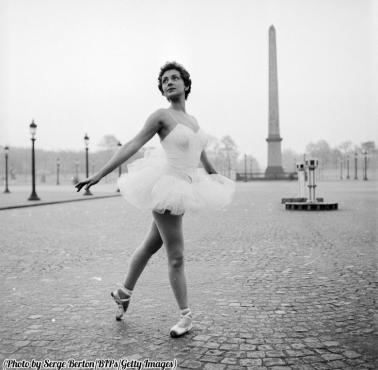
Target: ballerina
point(168, 183)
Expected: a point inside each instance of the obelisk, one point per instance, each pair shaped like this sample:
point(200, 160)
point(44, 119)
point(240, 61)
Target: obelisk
point(274, 169)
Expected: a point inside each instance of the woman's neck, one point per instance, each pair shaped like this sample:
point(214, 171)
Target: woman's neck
point(178, 105)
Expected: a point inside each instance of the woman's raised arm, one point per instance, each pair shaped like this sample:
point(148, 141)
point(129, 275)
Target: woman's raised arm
point(151, 127)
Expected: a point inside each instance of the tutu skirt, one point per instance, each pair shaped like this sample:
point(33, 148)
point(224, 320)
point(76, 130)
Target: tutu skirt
point(151, 184)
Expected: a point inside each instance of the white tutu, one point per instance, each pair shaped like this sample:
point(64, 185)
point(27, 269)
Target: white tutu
point(152, 184)
point(169, 179)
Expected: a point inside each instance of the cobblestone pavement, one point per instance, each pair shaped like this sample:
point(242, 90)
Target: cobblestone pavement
point(269, 288)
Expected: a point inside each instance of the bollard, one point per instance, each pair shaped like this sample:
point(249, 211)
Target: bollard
point(312, 203)
point(301, 171)
point(311, 165)
point(301, 179)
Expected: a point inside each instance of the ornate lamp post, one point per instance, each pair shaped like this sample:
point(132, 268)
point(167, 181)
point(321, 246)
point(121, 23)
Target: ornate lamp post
point(120, 167)
point(6, 151)
point(355, 165)
point(57, 171)
point(33, 130)
point(364, 152)
point(86, 142)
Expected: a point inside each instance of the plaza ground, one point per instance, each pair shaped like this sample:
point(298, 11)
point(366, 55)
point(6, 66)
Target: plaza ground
point(269, 288)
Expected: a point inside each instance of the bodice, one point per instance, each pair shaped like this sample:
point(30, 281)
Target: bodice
point(183, 147)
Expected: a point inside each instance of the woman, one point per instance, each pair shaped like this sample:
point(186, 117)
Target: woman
point(168, 185)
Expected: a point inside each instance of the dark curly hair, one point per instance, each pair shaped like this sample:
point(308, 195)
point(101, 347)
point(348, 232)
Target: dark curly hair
point(183, 73)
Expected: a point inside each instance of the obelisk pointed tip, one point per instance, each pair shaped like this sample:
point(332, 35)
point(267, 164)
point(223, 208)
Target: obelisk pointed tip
point(272, 28)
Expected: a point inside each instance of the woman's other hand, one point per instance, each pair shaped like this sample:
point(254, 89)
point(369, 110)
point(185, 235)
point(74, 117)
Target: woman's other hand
point(90, 181)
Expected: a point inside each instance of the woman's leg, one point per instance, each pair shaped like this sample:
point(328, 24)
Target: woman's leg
point(151, 244)
point(170, 229)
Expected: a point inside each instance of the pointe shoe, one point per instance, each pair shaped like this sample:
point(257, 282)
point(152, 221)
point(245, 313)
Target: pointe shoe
point(183, 326)
point(122, 299)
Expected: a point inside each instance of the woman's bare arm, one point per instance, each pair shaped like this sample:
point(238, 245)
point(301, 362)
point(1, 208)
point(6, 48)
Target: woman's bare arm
point(126, 151)
point(151, 127)
point(206, 164)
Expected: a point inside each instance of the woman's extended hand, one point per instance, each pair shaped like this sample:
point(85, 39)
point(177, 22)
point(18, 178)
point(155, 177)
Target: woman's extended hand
point(88, 182)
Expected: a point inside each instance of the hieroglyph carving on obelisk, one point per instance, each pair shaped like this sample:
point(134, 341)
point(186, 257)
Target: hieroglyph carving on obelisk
point(274, 169)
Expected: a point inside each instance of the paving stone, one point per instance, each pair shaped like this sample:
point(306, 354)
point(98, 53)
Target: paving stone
point(332, 357)
point(250, 362)
point(302, 367)
point(211, 358)
point(331, 344)
point(298, 345)
point(236, 354)
point(211, 345)
point(255, 354)
point(269, 362)
point(351, 354)
point(227, 347)
point(214, 367)
point(22, 343)
point(321, 366)
point(298, 353)
point(229, 360)
point(190, 364)
point(275, 354)
point(202, 338)
point(247, 347)
point(315, 359)
point(337, 364)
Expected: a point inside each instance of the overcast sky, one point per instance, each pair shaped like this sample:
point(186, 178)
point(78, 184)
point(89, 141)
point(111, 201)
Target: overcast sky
point(79, 66)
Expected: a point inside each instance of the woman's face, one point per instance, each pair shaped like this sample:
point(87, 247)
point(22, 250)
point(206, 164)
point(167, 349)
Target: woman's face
point(172, 84)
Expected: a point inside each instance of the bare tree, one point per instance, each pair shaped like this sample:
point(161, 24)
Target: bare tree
point(108, 142)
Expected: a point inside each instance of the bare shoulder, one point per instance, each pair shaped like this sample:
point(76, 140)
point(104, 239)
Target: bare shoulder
point(155, 117)
point(158, 117)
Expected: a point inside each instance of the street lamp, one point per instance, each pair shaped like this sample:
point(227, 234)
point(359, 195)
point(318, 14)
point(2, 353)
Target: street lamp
point(33, 130)
point(365, 152)
point(355, 165)
point(6, 151)
point(86, 142)
point(341, 169)
point(120, 167)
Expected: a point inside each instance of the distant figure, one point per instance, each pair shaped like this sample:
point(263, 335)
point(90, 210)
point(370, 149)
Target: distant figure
point(168, 183)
